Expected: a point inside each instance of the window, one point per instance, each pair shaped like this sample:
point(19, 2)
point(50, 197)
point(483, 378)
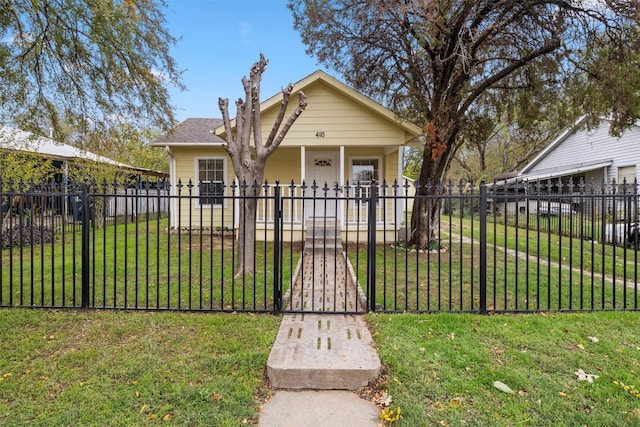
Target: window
point(626, 179)
point(364, 171)
point(211, 174)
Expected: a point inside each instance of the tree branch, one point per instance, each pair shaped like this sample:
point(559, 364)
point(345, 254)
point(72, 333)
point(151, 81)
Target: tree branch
point(302, 104)
point(223, 105)
point(286, 93)
point(549, 47)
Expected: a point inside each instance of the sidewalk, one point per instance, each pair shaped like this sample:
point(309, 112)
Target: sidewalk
point(317, 357)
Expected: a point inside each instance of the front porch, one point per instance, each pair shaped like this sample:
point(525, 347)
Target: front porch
point(348, 206)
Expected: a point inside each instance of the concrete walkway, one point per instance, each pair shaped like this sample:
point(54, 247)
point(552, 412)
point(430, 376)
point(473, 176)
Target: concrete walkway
point(318, 359)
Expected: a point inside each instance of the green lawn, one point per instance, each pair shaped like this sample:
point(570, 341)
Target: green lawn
point(441, 368)
point(140, 265)
point(559, 273)
point(94, 368)
point(115, 368)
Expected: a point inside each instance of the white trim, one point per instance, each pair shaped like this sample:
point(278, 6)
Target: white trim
point(380, 167)
point(340, 214)
point(564, 135)
point(303, 163)
point(196, 175)
point(555, 173)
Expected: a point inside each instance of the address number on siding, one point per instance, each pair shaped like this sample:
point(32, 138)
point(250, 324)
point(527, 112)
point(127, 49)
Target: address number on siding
point(320, 134)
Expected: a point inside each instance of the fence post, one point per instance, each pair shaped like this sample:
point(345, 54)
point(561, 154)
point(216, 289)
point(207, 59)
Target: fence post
point(483, 248)
point(277, 254)
point(85, 244)
point(371, 246)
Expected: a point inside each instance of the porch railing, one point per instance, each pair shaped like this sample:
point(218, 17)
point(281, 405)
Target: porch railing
point(350, 202)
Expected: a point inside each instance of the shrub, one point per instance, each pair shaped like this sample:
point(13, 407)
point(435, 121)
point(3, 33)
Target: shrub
point(25, 235)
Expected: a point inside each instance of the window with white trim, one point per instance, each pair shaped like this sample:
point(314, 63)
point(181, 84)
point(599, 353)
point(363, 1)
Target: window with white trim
point(626, 179)
point(364, 171)
point(211, 173)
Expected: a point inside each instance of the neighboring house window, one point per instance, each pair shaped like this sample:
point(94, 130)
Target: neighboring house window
point(211, 173)
point(626, 174)
point(364, 171)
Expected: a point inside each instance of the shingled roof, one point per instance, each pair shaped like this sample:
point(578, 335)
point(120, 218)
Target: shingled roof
point(194, 130)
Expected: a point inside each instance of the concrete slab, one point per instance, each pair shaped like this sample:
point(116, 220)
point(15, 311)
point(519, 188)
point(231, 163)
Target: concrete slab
point(323, 352)
point(330, 408)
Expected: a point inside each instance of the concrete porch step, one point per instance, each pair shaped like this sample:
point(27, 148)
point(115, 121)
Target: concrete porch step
point(322, 233)
point(323, 352)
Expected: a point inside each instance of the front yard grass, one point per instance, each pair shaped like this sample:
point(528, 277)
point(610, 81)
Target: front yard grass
point(108, 368)
point(97, 368)
point(441, 368)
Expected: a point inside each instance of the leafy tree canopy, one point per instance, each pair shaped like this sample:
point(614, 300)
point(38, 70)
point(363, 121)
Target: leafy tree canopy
point(442, 63)
point(87, 64)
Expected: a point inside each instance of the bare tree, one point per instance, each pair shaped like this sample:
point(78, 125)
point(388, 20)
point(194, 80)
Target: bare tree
point(249, 155)
point(432, 61)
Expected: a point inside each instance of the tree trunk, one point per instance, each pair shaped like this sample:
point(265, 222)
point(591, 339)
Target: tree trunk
point(425, 217)
point(439, 150)
point(250, 191)
point(246, 237)
point(250, 160)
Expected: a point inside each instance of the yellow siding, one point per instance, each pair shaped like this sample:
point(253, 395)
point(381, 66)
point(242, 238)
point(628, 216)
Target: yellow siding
point(340, 118)
point(191, 214)
point(283, 165)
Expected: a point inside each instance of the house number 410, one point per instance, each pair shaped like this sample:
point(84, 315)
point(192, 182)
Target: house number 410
point(320, 134)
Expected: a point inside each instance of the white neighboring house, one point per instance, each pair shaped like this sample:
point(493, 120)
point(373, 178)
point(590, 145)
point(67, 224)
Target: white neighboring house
point(591, 156)
point(64, 154)
point(588, 154)
point(20, 140)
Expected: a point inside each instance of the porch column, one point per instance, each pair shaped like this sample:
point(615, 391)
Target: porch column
point(303, 164)
point(340, 213)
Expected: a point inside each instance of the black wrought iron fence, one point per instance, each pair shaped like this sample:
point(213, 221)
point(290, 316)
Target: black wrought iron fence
point(519, 247)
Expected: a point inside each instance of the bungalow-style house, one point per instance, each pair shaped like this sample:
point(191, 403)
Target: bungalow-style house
point(342, 136)
point(591, 156)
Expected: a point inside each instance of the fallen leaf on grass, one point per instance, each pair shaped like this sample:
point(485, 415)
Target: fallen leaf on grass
point(636, 412)
point(455, 402)
point(168, 417)
point(502, 387)
point(583, 376)
point(384, 399)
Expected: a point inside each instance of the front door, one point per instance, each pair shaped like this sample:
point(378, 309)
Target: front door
point(322, 166)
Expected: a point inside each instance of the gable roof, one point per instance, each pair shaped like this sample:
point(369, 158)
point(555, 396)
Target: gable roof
point(190, 131)
point(564, 135)
point(557, 160)
point(210, 131)
point(319, 76)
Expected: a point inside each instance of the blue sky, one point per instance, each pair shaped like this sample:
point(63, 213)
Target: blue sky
point(221, 39)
